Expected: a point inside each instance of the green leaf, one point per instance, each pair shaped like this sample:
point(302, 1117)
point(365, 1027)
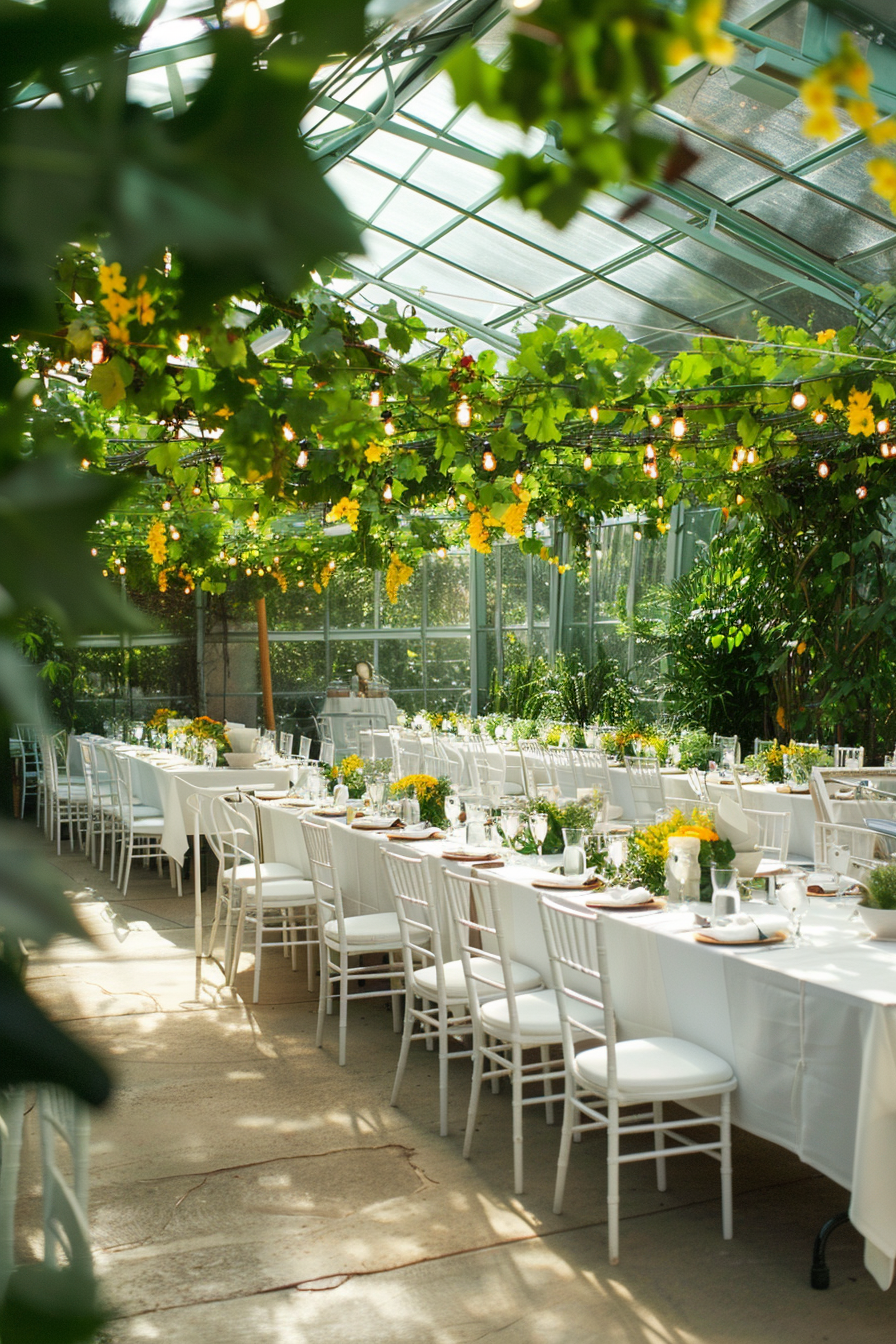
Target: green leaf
point(841, 558)
point(106, 379)
point(34, 1050)
point(49, 1305)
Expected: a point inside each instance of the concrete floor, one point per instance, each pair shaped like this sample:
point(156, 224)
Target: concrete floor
point(243, 1186)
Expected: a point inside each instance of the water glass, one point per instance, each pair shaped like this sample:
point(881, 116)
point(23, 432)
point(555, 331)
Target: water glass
point(725, 896)
point(538, 825)
point(452, 810)
point(510, 824)
point(575, 860)
point(794, 898)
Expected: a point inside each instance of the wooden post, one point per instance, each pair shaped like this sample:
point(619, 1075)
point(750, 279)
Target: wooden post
point(264, 659)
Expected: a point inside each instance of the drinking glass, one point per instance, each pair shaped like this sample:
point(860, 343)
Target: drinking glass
point(476, 819)
point(538, 825)
point(793, 896)
point(725, 896)
point(452, 810)
point(575, 860)
point(510, 824)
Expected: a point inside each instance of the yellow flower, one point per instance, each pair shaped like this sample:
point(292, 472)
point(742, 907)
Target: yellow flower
point(375, 452)
point(883, 177)
point(157, 542)
point(345, 508)
point(117, 306)
point(882, 132)
point(478, 533)
point(857, 75)
point(823, 125)
point(707, 16)
point(780, 719)
point(863, 113)
point(700, 832)
point(163, 580)
point(822, 337)
point(281, 580)
point(397, 574)
point(719, 50)
point(801, 647)
point(818, 94)
point(145, 311)
point(678, 50)
point(423, 785)
point(111, 279)
point(859, 416)
point(120, 334)
point(325, 575)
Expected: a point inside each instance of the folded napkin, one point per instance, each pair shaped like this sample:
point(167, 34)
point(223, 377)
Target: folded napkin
point(746, 928)
point(569, 880)
point(623, 896)
point(417, 833)
point(733, 824)
point(822, 884)
point(373, 823)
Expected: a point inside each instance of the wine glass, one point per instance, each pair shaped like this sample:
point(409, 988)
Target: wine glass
point(538, 825)
point(794, 898)
point(452, 810)
point(510, 824)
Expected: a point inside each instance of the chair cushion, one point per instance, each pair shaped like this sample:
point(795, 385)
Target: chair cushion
point(270, 872)
point(538, 1015)
point(657, 1067)
point(147, 825)
point(524, 977)
point(362, 930)
point(294, 891)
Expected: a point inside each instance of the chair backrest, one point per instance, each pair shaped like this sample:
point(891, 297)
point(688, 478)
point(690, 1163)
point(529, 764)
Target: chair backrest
point(590, 769)
point(451, 760)
point(724, 744)
point(863, 846)
point(327, 753)
point(418, 915)
point(410, 754)
point(854, 756)
point(305, 748)
point(327, 892)
point(531, 764)
point(577, 952)
point(646, 784)
point(201, 804)
point(488, 971)
point(762, 744)
point(820, 796)
point(697, 781)
point(774, 832)
point(556, 759)
point(284, 744)
point(50, 763)
point(64, 1120)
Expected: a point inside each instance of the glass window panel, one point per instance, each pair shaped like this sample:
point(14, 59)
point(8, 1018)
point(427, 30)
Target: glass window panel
point(350, 598)
point(613, 558)
point(452, 286)
point(541, 589)
point(600, 303)
point(448, 672)
point(586, 241)
point(455, 180)
point(414, 216)
point(345, 654)
point(434, 105)
point(386, 149)
point(514, 587)
point(408, 607)
point(448, 590)
point(401, 663)
point(503, 259)
point(748, 279)
point(847, 176)
point(829, 229)
point(296, 609)
point(661, 277)
point(380, 252)
point(495, 137)
point(362, 191)
point(298, 667)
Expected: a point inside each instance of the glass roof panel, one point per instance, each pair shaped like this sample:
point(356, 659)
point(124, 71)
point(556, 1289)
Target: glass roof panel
point(362, 191)
point(506, 260)
point(661, 278)
point(456, 181)
point(817, 223)
point(414, 215)
point(587, 241)
point(379, 250)
point(748, 279)
point(386, 150)
point(453, 287)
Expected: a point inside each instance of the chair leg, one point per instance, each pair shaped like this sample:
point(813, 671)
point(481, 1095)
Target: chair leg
point(473, 1108)
point(237, 946)
point(323, 1001)
point(259, 932)
point(309, 951)
point(727, 1199)
point(516, 1079)
point(613, 1181)
point(405, 1047)
point(659, 1145)
point(343, 1004)
point(565, 1145)
point(546, 1064)
point(396, 1000)
point(443, 1071)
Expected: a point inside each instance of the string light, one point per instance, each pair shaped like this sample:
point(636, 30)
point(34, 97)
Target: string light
point(739, 499)
point(250, 14)
point(824, 470)
point(216, 504)
point(679, 424)
point(637, 534)
point(304, 454)
point(587, 462)
point(188, 590)
point(167, 502)
point(489, 461)
point(660, 502)
point(85, 463)
point(256, 511)
point(518, 476)
point(375, 397)
point(331, 564)
point(735, 462)
point(197, 490)
point(218, 472)
point(288, 432)
point(105, 573)
point(819, 416)
point(751, 456)
point(883, 426)
point(248, 571)
point(233, 561)
point(183, 342)
point(441, 553)
point(463, 413)
point(655, 419)
point(98, 352)
point(648, 465)
point(595, 414)
point(862, 491)
point(451, 502)
point(388, 423)
point(175, 535)
point(93, 550)
point(387, 490)
point(885, 450)
point(122, 569)
point(798, 399)
point(741, 453)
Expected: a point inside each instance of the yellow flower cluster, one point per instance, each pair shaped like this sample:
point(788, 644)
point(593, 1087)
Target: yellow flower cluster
point(349, 765)
point(280, 579)
point(157, 542)
point(397, 575)
point(859, 415)
point(703, 36)
point(822, 337)
point(325, 576)
point(478, 533)
point(345, 508)
point(544, 554)
point(424, 785)
point(112, 286)
point(375, 452)
point(821, 95)
point(515, 516)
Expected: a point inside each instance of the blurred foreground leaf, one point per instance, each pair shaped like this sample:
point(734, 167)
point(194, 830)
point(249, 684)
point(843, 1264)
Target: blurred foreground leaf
point(50, 1306)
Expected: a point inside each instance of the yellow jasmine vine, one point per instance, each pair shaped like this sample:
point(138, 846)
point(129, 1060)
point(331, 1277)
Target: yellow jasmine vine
point(859, 416)
point(157, 542)
point(397, 574)
point(345, 508)
point(375, 452)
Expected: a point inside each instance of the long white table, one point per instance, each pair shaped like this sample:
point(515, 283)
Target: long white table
point(810, 1031)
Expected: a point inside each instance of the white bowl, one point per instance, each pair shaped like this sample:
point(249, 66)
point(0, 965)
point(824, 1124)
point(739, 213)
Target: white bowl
point(879, 923)
point(241, 740)
point(241, 760)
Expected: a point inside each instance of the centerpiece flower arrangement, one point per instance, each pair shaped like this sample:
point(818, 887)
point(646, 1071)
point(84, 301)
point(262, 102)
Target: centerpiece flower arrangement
point(695, 749)
point(209, 730)
point(562, 734)
point(771, 763)
point(159, 721)
point(354, 771)
point(431, 794)
point(648, 851)
point(633, 739)
point(579, 814)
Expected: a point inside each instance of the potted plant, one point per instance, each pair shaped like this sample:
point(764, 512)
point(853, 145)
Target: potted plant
point(878, 908)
